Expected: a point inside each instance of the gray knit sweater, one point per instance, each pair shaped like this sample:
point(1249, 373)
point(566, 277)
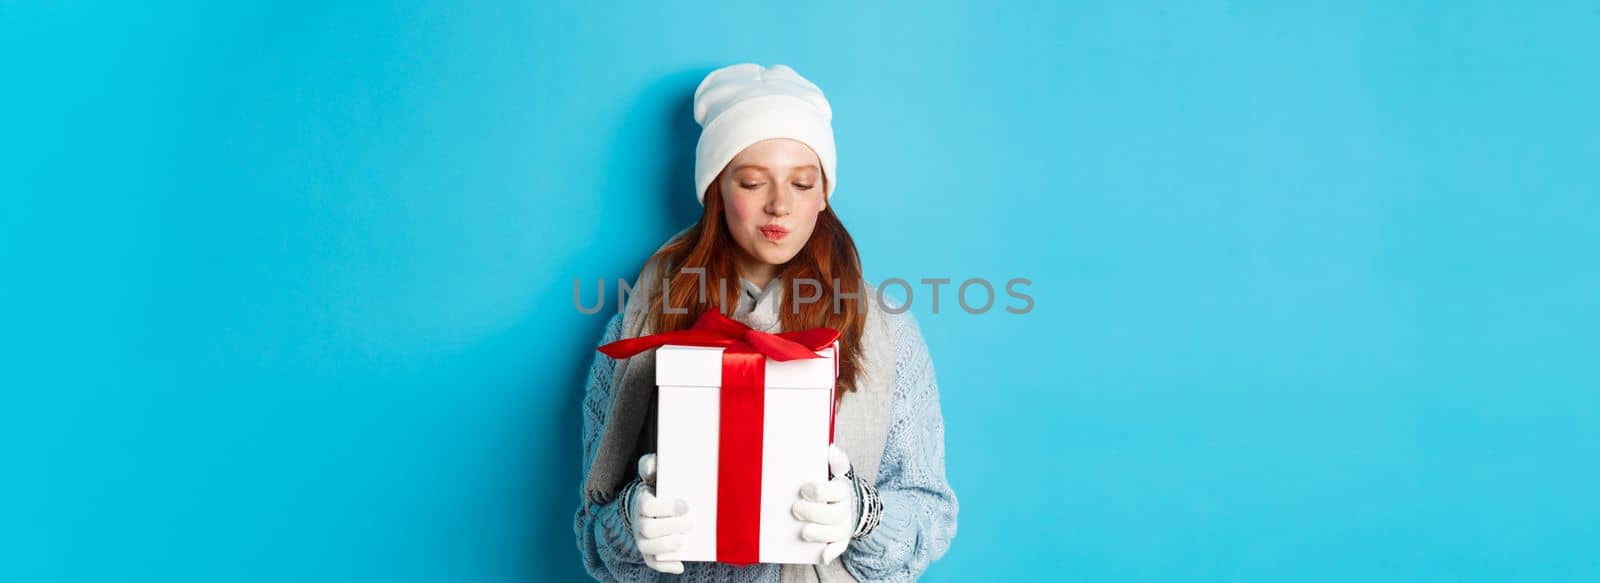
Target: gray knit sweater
point(919, 508)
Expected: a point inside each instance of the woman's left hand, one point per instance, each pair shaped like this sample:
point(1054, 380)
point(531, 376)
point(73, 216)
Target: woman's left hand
point(829, 508)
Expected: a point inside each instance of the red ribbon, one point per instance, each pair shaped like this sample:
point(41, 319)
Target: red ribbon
point(743, 395)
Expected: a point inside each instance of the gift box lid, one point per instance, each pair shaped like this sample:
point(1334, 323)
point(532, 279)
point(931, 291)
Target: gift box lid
point(701, 366)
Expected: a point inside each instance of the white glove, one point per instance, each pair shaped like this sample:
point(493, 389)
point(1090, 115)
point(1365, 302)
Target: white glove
point(658, 525)
point(829, 508)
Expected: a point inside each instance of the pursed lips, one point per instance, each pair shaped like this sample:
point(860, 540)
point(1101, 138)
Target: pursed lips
point(774, 232)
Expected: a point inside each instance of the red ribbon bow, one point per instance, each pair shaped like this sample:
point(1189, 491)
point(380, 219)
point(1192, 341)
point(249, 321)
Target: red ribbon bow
point(742, 399)
point(714, 329)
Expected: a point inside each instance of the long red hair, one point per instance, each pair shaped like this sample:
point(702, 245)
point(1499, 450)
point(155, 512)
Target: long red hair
point(829, 255)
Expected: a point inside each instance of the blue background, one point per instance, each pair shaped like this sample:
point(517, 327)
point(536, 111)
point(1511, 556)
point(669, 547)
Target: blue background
point(288, 286)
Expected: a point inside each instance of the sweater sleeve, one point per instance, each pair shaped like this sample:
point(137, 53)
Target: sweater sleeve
point(608, 547)
point(919, 508)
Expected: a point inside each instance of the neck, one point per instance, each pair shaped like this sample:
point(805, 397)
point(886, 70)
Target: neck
point(755, 271)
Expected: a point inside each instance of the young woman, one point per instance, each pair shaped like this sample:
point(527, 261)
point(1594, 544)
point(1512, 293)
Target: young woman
point(765, 175)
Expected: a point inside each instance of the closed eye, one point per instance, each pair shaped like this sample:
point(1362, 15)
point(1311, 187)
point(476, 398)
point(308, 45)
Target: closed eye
point(802, 186)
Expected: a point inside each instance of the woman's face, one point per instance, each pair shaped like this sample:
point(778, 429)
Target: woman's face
point(772, 193)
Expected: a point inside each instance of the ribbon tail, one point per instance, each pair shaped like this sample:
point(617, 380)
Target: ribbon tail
point(628, 347)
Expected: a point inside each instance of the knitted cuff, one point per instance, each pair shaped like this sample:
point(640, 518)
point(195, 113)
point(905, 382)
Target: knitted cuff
point(625, 503)
point(869, 507)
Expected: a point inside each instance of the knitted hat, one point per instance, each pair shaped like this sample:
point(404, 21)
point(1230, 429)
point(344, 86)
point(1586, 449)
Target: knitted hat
point(739, 105)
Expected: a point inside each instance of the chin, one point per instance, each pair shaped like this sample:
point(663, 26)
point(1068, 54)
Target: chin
point(760, 249)
point(774, 255)
point(778, 258)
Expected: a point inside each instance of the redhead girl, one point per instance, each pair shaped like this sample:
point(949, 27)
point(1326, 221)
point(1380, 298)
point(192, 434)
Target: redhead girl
point(765, 176)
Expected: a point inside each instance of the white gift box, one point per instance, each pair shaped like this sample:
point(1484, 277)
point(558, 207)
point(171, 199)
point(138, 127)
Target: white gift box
point(796, 430)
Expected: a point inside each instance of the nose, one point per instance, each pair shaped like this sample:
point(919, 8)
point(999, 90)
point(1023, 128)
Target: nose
point(781, 200)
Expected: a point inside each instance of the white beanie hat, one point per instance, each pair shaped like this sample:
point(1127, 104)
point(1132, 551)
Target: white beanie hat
point(739, 105)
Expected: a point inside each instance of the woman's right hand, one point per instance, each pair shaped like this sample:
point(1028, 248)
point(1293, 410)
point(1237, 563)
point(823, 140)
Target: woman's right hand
point(659, 525)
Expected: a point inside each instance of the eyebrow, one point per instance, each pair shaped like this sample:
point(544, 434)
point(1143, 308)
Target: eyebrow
point(758, 166)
